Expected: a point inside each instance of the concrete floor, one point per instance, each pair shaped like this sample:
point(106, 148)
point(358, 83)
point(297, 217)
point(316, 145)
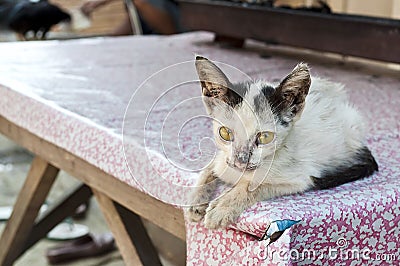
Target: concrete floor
point(14, 164)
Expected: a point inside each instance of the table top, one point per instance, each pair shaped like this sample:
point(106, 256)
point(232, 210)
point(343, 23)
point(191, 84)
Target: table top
point(75, 94)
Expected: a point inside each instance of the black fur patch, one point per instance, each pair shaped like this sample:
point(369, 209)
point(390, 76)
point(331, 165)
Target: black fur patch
point(268, 95)
point(278, 107)
point(236, 94)
point(261, 99)
point(365, 165)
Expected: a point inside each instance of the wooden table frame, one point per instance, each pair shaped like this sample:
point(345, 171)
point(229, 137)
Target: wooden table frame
point(123, 206)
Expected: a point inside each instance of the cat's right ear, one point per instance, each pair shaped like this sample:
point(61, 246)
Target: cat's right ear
point(214, 82)
point(289, 97)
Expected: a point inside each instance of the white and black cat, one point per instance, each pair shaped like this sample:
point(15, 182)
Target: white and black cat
point(273, 141)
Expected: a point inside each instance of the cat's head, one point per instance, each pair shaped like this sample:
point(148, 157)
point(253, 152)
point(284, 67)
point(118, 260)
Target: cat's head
point(252, 119)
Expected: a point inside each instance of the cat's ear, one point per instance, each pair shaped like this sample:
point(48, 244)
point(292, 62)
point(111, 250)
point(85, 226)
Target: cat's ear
point(214, 82)
point(290, 95)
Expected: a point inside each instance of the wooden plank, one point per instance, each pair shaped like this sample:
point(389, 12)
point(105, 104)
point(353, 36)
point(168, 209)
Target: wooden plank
point(117, 226)
point(361, 36)
point(164, 215)
point(65, 207)
point(37, 185)
point(229, 41)
point(138, 233)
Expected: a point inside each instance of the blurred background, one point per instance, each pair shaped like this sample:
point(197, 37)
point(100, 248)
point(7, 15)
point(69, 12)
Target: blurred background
point(106, 18)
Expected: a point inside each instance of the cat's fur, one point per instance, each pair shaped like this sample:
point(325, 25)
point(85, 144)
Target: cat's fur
point(319, 140)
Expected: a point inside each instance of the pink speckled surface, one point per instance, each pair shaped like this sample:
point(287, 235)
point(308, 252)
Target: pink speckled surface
point(74, 94)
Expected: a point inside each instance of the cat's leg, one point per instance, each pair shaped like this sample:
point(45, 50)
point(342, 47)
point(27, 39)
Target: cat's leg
point(225, 210)
point(202, 195)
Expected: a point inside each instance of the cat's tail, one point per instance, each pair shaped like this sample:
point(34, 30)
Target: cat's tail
point(363, 164)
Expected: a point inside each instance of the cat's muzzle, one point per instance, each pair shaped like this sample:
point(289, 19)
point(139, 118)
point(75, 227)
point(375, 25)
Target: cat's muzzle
point(241, 166)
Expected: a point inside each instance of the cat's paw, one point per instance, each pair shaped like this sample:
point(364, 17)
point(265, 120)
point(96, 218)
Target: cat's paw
point(219, 215)
point(196, 213)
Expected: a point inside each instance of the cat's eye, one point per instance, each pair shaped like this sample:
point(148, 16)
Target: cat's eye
point(225, 133)
point(265, 137)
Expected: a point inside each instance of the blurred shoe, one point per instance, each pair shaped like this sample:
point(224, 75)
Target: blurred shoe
point(84, 247)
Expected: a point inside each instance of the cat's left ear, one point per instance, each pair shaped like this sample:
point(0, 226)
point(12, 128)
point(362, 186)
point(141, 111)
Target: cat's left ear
point(214, 82)
point(290, 95)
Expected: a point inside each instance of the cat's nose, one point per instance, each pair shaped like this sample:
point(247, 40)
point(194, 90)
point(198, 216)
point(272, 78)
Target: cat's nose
point(243, 157)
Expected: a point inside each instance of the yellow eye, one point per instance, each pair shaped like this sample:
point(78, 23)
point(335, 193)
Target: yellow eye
point(226, 134)
point(265, 137)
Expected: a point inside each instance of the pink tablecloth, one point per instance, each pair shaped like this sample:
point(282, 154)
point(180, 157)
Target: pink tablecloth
point(75, 94)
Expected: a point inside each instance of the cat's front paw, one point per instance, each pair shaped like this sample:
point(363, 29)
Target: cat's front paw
point(196, 213)
point(219, 215)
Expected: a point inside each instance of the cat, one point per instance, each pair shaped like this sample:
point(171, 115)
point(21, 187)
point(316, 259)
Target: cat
point(272, 141)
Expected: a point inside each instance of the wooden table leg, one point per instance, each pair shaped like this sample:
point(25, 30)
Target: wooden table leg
point(37, 185)
point(117, 227)
point(138, 233)
point(57, 212)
